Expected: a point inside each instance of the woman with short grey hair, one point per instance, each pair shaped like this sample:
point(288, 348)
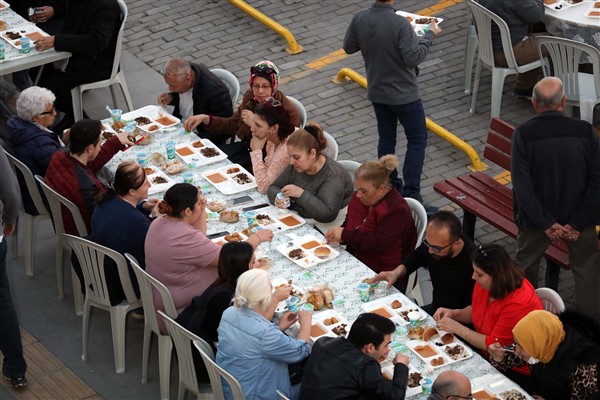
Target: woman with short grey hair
point(33, 102)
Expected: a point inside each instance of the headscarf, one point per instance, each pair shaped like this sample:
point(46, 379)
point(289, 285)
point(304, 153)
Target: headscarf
point(539, 333)
point(266, 69)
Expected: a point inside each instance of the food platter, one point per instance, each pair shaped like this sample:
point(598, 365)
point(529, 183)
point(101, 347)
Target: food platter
point(420, 23)
point(230, 237)
point(560, 5)
point(435, 354)
point(271, 218)
point(492, 386)
point(303, 251)
point(594, 10)
point(230, 179)
point(414, 377)
point(158, 179)
point(159, 119)
point(328, 323)
point(395, 307)
point(296, 291)
point(199, 152)
point(29, 30)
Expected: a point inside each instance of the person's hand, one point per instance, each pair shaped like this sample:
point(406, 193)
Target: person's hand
point(44, 43)
point(247, 117)
point(449, 325)
point(66, 136)
point(433, 27)
point(292, 191)
point(556, 231)
point(304, 317)
point(257, 144)
point(496, 351)
point(282, 293)
point(43, 14)
point(151, 204)
point(124, 139)
point(192, 122)
point(288, 319)
point(537, 397)
point(572, 234)
point(164, 99)
point(279, 204)
point(264, 235)
point(334, 235)
point(202, 200)
point(401, 358)
point(389, 276)
point(9, 229)
point(443, 313)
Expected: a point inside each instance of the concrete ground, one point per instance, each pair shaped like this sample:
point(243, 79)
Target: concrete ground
point(221, 36)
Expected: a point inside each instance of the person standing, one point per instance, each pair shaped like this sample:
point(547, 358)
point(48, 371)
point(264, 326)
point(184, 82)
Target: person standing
point(392, 52)
point(14, 366)
point(556, 191)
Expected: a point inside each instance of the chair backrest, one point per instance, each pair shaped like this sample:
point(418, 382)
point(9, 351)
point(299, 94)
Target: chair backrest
point(119, 44)
point(551, 300)
point(216, 373)
point(92, 257)
point(332, 148)
point(419, 216)
point(230, 81)
point(183, 344)
point(147, 282)
point(566, 55)
point(56, 201)
point(499, 141)
point(301, 111)
point(32, 188)
point(281, 395)
point(351, 166)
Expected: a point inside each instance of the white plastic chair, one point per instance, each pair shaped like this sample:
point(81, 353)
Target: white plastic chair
point(183, 340)
point(350, 165)
point(117, 75)
point(230, 81)
point(216, 373)
point(471, 48)
point(551, 300)
point(484, 19)
point(581, 89)
point(301, 111)
point(92, 257)
point(147, 283)
point(56, 201)
point(420, 218)
point(29, 220)
point(332, 148)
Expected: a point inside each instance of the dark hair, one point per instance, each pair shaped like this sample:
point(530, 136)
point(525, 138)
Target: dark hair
point(84, 133)
point(275, 115)
point(370, 328)
point(129, 175)
point(310, 137)
point(506, 274)
point(234, 260)
point(446, 219)
point(179, 197)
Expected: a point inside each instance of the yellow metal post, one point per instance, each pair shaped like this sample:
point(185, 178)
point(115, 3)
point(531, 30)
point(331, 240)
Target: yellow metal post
point(293, 46)
point(476, 163)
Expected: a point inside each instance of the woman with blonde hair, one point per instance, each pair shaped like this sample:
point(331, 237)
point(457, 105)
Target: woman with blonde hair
point(253, 349)
point(318, 186)
point(379, 229)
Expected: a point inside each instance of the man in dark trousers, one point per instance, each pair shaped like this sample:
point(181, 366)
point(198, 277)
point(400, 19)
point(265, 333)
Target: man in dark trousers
point(556, 191)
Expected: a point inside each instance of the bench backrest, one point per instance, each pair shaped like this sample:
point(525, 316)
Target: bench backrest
point(498, 146)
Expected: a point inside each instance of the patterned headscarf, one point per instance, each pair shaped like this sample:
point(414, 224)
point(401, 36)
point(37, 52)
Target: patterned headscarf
point(539, 333)
point(266, 69)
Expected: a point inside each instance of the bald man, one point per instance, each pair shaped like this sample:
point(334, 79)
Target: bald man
point(556, 191)
point(450, 385)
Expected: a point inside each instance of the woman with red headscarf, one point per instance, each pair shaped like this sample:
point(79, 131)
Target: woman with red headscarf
point(264, 84)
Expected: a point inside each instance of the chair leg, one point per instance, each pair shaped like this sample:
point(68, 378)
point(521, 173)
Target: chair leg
point(472, 42)
point(77, 103)
point(60, 250)
point(497, 86)
point(146, 351)
point(165, 347)
point(77, 295)
point(118, 316)
point(125, 90)
point(85, 321)
point(28, 235)
point(475, 86)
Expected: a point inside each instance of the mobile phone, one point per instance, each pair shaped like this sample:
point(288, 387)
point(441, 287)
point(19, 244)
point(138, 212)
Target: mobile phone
point(218, 234)
point(242, 200)
point(251, 208)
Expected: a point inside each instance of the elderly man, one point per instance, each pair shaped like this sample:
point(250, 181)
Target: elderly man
point(446, 252)
point(450, 385)
point(193, 90)
point(556, 191)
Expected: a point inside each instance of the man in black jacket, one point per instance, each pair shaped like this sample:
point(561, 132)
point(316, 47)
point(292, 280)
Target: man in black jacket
point(340, 368)
point(193, 90)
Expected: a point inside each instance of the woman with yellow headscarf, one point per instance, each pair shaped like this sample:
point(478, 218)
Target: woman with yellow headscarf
point(563, 353)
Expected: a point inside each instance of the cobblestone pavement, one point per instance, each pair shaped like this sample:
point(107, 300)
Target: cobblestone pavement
point(220, 35)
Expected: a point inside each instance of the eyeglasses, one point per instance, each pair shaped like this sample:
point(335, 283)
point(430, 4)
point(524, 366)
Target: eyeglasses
point(274, 102)
point(481, 256)
point(51, 112)
point(258, 87)
point(261, 69)
point(171, 74)
point(437, 249)
point(469, 397)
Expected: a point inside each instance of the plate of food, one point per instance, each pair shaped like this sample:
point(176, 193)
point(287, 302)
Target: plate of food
point(271, 218)
point(395, 307)
point(200, 152)
point(328, 323)
point(13, 36)
point(230, 179)
point(230, 237)
point(420, 23)
point(561, 5)
point(438, 348)
point(594, 11)
point(151, 118)
point(307, 251)
point(296, 291)
point(159, 181)
point(496, 386)
point(413, 386)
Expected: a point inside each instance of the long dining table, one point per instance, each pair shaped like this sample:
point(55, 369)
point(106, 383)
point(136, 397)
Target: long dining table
point(342, 273)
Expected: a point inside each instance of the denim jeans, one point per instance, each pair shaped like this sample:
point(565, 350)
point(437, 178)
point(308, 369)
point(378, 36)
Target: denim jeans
point(412, 118)
point(10, 337)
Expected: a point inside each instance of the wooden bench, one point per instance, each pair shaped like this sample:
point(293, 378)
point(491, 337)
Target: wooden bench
point(481, 196)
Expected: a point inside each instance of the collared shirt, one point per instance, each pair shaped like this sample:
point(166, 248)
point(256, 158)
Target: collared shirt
point(186, 104)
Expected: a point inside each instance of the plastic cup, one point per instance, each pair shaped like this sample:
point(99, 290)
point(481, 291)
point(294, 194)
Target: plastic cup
point(284, 200)
point(142, 159)
point(426, 384)
point(25, 45)
point(250, 217)
point(364, 292)
point(188, 177)
point(2, 51)
point(307, 307)
point(170, 145)
point(115, 114)
point(414, 318)
point(292, 304)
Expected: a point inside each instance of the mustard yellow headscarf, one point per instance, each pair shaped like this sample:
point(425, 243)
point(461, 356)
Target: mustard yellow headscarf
point(539, 333)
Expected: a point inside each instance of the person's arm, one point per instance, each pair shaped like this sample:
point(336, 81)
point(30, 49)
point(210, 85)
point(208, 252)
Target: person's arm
point(228, 126)
point(583, 382)
point(283, 179)
point(502, 360)
point(264, 175)
point(278, 346)
point(9, 196)
point(326, 203)
point(111, 147)
point(530, 11)
point(413, 49)
point(351, 44)
point(374, 383)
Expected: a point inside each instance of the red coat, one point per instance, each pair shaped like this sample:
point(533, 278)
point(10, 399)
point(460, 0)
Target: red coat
point(61, 177)
point(380, 236)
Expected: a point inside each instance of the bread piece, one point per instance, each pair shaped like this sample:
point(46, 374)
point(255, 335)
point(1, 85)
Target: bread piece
point(429, 333)
point(322, 252)
point(447, 338)
point(436, 362)
point(396, 304)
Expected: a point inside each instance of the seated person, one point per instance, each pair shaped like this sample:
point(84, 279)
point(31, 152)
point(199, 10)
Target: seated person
point(563, 353)
point(501, 297)
point(318, 187)
point(379, 229)
point(450, 385)
point(178, 253)
point(29, 138)
point(264, 83)
point(270, 129)
point(72, 171)
point(253, 349)
point(340, 368)
point(121, 220)
point(193, 89)
point(446, 253)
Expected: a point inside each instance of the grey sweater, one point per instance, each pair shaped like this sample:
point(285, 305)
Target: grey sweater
point(391, 51)
point(10, 195)
point(325, 193)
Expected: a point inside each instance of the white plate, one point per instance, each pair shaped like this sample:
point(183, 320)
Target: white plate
point(277, 225)
point(195, 155)
point(419, 29)
point(228, 185)
point(282, 306)
point(383, 307)
point(594, 11)
point(309, 260)
point(388, 371)
point(319, 320)
point(153, 113)
point(158, 187)
point(440, 352)
point(23, 30)
point(561, 5)
point(221, 239)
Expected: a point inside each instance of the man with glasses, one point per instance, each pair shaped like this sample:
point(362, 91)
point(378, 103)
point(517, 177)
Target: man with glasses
point(446, 253)
point(193, 89)
point(451, 385)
